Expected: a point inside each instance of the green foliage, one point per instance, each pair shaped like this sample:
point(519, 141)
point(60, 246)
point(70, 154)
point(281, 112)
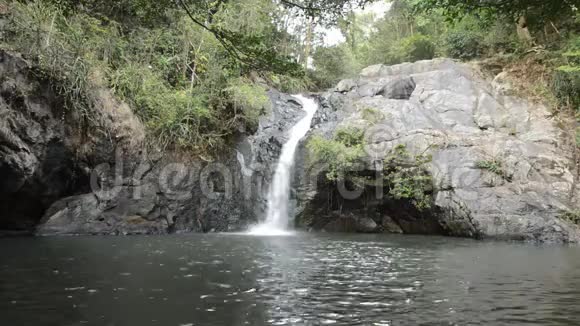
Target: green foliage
point(408, 178)
point(343, 153)
point(566, 86)
point(66, 50)
point(463, 44)
point(250, 98)
point(500, 38)
point(372, 115)
point(333, 64)
point(566, 81)
point(513, 9)
point(177, 77)
point(571, 216)
point(173, 117)
point(290, 84)
point(493, 166)
point(405, 176)
point(417, 47)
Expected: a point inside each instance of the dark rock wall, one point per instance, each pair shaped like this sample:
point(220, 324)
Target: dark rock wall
point(37, 164)
point(62, 173)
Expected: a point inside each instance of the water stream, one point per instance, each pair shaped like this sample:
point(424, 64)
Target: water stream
point(276, 222)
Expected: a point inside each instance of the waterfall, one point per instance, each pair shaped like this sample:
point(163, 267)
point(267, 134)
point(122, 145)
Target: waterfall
point(276, 221)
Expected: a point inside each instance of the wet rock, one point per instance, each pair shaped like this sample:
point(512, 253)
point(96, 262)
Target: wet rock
point(390, 226)
point(343, 224)
point(366, 225)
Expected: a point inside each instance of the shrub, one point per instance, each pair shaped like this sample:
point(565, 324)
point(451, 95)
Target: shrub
point(501, 38)
point(342, 153)
point(566, 86)
point(172, 116)
point(333, 64)
point(372, 115)
point(566, 81)
point(405, 175)
point(176, 77)
point(571, 216)
point(417, 47)
point(289, 84)
point(350, 137)
point(493, 166)
point(250, 98)
point(463, 45)
point(408, 177)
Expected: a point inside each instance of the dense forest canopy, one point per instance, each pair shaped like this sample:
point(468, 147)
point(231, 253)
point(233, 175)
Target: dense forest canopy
point(197, 71)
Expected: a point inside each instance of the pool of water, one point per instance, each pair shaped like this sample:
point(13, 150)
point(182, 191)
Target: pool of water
point(304, 279)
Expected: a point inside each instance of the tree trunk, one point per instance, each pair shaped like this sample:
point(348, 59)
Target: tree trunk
point(523, 31)
point(308, 41)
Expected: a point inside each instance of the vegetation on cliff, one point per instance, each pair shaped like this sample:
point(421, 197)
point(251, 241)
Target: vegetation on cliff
point(401, 176)
point(194, 86)
point(197, 72)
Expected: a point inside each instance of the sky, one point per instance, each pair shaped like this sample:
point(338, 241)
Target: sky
point(334, 36)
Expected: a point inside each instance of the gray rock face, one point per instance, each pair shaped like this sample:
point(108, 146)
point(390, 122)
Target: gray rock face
point(449, 112)
point(36, 162)
point(61, 176)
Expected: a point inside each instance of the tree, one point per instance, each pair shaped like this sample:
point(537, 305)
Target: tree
point(514, 9)
point(254, 50)
point(329, 11)
point(333, 64)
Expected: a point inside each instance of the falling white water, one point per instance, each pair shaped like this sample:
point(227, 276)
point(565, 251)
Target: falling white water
point(276, 222)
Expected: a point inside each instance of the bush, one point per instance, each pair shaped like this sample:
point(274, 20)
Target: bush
point(566, 81)
point(176, 77)
point(372, 115)
point(566, 86)
point(251, 99)
point(342, 153)
point(408, 177)
point(493, 166)
point(463, 45)
point(571, 216)
point(501, 38)
point(289, 84)
point(405, 175)
point(417, 47)
point(173, 117)
point(333, 64)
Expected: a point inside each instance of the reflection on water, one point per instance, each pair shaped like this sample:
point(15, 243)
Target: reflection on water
point(301, 280)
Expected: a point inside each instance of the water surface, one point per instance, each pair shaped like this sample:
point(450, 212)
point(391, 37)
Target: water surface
point(299, 280)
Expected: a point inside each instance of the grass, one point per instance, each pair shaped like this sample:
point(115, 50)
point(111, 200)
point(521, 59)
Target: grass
point(372, 115)
point(171, 73)
point(571, 216)
point(494, 166)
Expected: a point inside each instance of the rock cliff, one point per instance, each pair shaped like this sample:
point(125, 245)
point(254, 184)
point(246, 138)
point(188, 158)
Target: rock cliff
point(497, 166)
point(501, 166)
point(70, 172)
